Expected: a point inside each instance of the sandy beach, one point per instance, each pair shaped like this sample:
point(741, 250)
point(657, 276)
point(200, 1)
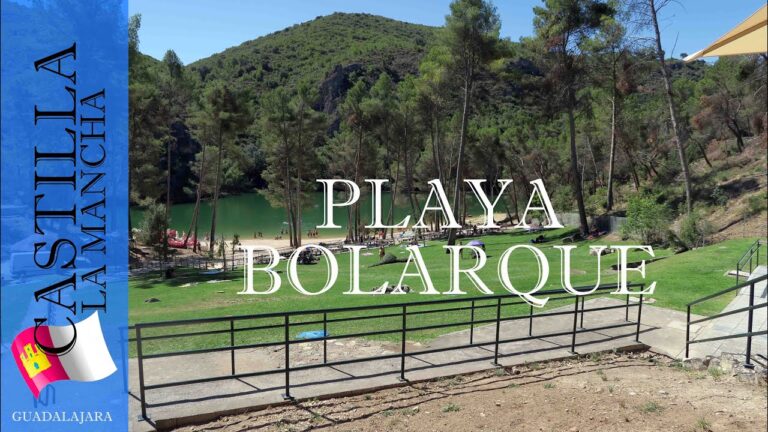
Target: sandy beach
point(285, 242)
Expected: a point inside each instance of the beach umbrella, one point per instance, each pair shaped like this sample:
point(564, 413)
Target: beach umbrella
point(749, 37)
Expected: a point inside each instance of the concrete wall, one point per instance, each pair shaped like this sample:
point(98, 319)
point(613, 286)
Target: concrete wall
point(604, 223)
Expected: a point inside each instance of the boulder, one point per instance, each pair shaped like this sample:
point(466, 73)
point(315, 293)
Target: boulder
point(696, 364)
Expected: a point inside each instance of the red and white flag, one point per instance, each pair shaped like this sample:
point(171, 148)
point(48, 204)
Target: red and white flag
point(88, 360)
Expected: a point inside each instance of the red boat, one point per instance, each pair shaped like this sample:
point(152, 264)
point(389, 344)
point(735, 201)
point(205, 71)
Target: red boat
point(178, 243)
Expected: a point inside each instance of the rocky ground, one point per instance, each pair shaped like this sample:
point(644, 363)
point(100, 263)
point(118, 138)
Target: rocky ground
point(611, 392)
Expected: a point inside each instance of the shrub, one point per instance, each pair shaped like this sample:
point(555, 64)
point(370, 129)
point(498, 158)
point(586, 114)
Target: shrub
point(646, 219)
point(151, 228)
point(716, 373)
point(719, 197)
point(451, 407)
point(562, 198)
point(595, 203)
point(755, 204)
point(703, 424)
point(694, 230)
point(221, 252)
point(651, 407)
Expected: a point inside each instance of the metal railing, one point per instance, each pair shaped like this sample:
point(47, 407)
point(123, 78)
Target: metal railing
point(204, 261)
point(752, 252)
point(750, 318)
point(401, 310)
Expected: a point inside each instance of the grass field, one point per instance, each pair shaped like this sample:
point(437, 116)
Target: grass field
point(681, 278)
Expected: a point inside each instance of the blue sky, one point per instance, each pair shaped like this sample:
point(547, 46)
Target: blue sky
point(196, 29)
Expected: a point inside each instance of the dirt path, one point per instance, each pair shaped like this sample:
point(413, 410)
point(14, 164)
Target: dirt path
point(608, 393)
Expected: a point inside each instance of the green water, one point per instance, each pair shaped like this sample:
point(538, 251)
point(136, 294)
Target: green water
point(249, 213)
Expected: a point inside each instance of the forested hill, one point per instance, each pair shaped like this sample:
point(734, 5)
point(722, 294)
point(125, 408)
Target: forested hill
point(360, 96)
point(329, 52)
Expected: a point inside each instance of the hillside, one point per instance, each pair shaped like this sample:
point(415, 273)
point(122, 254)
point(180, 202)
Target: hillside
point(734, 188)
point(329, 51)
point(515, 110)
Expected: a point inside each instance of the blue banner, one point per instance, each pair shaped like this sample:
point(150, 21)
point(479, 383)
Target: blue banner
point(64, 215)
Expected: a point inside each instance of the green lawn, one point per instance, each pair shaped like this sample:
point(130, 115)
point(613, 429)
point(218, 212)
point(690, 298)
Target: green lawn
point(681, 278)
point(697, 273)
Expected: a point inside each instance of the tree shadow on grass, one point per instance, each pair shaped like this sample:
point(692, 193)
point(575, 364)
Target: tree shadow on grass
point(193, 277)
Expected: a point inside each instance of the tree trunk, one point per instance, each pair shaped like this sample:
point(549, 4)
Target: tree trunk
point(583, 226)
point(612, 156)
point(223, 247)
point(350, 222)
point(288, 191)
point(216, 190)
point(703, 151)
point(632, 168)
point(672, 110)
point(167, 198)
point(436, 151)
point(460, 159)
point(507, 210)
point(197, 247)
point(393, 197)
point(415, 206)
point(514, 198)
point(356, 206)
point(290, 204)
point(738, 133)
point(409, 170)
point(464, 207)
point(298, 224)
point(198, 196)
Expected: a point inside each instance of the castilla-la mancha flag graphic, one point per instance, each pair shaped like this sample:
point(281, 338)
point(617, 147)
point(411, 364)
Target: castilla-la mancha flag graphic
point(88, 360)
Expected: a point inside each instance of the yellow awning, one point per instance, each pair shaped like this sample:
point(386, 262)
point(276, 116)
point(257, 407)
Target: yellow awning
point(749, 37)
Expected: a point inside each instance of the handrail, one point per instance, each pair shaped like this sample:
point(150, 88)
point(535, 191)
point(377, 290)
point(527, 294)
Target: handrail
point(754, 248)
point(750, 309)
point(566, 296)
point(727, 290)
point(358, 308)
point(403, 327)
point(730, 312)
point(750, 251)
